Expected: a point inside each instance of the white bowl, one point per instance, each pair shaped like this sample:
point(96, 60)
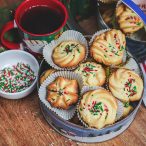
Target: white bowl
point(12, 57)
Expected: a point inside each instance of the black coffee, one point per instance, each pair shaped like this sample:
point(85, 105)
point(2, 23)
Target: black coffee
point(41, 20)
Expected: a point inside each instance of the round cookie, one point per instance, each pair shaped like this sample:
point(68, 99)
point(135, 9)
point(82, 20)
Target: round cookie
point(69, 54)
point(93, 74)
point(127, 109)
point(46, 74)
point(126, 85)
point(62, 93)
point(129, 22)
point(98, 108)
point(108, 48)
point(107, 16)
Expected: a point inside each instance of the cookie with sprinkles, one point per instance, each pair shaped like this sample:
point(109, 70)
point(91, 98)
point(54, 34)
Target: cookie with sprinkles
point(109, 47)
point(93, 74)
point(129, 22)
point(98, 108)
point(69, 54)
point(46, 74)
point(126, 85)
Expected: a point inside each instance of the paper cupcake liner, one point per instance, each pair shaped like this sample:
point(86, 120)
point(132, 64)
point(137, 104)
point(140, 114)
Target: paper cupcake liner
point(90, 88)
point(120, 110)
point(65, 114)
point(66, 36)
point(97, 34)
point(103, 31)
point(132, 65)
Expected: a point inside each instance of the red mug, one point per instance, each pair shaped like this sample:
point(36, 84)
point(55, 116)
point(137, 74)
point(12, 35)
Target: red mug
point(24, 7)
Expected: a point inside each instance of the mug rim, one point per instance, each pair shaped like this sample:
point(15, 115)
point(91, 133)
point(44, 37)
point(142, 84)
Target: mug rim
point(17, 14)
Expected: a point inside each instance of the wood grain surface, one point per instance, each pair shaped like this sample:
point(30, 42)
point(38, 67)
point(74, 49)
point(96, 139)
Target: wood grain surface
point(22, 124)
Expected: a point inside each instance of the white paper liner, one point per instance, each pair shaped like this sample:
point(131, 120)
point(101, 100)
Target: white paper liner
point(120, 110)
point(97, 34)
point(103, 31)
point(66, 36)
point(65, 114)
point(132, 65)
point(90, 88)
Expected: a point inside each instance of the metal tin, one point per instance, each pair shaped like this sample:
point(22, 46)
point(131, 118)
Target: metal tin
point(78, 132)
point(137, 41)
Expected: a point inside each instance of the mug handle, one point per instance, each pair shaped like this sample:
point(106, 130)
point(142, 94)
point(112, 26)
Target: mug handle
point(10, 45)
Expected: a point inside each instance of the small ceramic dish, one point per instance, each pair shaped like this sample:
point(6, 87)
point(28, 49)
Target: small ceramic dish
point(10, 58)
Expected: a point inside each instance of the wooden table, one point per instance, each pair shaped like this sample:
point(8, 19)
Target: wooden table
point(22, 124)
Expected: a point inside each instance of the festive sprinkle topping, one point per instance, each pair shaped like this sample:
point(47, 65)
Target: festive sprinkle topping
point(113, 50)
point(130, 88)
point(135, 20)
point(122, 48)
point(96, 108)
point(126, 104)
point(138, 23)
point(89, 69)
point(17, 78)
point(69, 48)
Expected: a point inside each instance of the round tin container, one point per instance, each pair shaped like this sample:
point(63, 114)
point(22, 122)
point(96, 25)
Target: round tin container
point(138, 40)
point(74, 130)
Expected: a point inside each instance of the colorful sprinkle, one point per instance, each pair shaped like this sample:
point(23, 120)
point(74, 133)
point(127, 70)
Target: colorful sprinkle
point(17, 78)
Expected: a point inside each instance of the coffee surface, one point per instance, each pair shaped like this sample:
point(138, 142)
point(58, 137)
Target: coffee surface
point(41, 20)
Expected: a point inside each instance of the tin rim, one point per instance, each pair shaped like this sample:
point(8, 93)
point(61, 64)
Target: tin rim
point(107, 127)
